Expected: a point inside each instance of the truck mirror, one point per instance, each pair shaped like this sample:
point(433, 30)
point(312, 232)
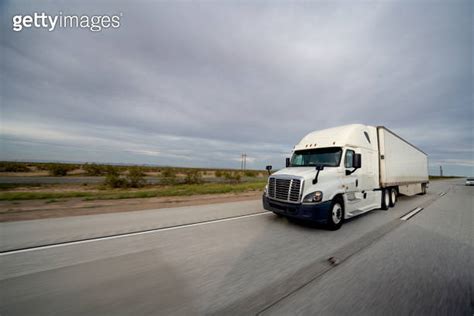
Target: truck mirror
point(287, 162)
point(356, 164)
point(318, 168)
point(269, 168)
point(357, 161)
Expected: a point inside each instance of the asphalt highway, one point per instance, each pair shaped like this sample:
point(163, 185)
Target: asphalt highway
point(235, 258)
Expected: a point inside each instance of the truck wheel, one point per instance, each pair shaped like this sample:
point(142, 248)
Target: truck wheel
point(335, 215)
point(423, 189)
point(393, 197)
point(385, 199)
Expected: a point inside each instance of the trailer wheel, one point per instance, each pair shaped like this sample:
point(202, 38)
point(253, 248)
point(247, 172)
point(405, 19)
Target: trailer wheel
point(423, 188)
point(335, 215)
point(393, 197)
point(385, 199)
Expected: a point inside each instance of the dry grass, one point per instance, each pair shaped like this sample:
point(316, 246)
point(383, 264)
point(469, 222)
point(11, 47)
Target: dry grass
point(155, 191)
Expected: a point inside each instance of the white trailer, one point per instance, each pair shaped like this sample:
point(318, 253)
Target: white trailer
point(341, 172)
point(402, 165)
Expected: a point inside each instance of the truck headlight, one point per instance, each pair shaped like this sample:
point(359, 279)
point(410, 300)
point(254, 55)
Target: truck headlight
point(265, 191)
point(313, 197)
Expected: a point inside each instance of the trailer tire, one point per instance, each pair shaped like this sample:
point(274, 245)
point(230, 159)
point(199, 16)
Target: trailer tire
point(336, 214)
point(385, 199)
point(423, 189)
point(393, 197)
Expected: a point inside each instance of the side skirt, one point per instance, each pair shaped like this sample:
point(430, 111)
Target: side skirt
point(359, 205)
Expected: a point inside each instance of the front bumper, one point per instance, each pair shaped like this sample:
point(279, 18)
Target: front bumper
point(309, 212)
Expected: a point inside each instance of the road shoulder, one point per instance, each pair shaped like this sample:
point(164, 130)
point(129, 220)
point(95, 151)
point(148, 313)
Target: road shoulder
point(11, 211)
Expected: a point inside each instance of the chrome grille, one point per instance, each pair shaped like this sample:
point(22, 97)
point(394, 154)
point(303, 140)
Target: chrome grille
point(284, 189)
point(295, 187)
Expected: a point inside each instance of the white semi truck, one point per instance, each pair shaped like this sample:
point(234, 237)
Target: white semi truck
point(337, 173)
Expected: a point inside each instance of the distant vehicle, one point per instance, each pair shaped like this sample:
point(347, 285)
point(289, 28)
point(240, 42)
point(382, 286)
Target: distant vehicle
point(337, 173)
point(470, 181)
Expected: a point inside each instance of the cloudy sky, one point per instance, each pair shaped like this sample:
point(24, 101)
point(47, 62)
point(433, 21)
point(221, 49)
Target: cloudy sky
point(197, 84)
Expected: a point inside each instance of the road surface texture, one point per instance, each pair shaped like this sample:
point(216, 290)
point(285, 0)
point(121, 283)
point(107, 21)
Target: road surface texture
point(235, 258)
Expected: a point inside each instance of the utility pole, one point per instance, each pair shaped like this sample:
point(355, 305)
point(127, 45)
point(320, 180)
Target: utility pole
point(243, 161)
point(441, 171)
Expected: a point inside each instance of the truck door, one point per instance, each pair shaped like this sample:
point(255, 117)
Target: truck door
point(356, 196)
point(350, 180)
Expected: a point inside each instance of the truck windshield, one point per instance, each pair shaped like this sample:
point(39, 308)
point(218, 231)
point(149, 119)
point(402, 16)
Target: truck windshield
point(328, 157)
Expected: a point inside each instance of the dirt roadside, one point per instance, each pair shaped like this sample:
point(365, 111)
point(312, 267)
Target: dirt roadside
point(39, 209)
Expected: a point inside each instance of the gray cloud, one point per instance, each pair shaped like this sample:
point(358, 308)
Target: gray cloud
point(196, 84)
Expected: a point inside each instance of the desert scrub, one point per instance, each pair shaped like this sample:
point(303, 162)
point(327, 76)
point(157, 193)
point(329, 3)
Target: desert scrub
point(233, 177)
point(92, 169)
point(158, 191)
point(168, 176)
point(251, 173)
point(115, 181)
point(135, 177)
point(193, 177)
point(59, 170)
point(6, 166)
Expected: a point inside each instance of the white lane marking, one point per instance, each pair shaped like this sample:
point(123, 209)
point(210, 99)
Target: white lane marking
point(157, 230)
point(442, 193)
point(412, 213)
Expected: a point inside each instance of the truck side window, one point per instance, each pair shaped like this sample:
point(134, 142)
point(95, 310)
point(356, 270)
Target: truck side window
point(348, 158)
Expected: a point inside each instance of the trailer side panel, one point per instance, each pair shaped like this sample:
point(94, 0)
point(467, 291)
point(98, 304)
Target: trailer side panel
point(401, 163)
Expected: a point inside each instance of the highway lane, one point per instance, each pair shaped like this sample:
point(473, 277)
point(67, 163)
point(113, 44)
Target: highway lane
point(24, 234)
point(240, 265)
point(424, 267)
